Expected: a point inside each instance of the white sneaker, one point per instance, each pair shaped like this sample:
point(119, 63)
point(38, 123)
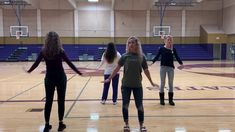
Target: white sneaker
point(102, 102)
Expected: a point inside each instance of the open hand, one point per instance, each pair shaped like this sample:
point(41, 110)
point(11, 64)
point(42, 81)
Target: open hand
point(83, 74)
point(155, 85)
point(181, 67)
point(105, 81)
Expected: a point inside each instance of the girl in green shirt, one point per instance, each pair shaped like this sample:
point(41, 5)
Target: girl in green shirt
point(133, 61)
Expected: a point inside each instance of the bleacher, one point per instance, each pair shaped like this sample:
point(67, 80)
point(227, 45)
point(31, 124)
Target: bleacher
point(93, 52)
point(195, 51)
point(6, 51)
point(185, 51)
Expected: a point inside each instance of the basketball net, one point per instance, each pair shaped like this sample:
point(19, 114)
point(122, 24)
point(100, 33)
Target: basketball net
point(162, 35)
point(18, 35)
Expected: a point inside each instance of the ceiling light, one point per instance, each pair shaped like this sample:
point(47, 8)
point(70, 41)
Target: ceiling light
point(93, 0)
point(173, 3)
point(7, 3)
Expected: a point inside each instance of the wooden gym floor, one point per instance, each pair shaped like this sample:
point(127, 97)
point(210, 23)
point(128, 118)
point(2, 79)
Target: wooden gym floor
point(204, 97)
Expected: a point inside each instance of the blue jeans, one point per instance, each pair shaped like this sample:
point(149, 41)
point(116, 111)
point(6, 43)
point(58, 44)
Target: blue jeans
point(115, 88)
point(170, 73)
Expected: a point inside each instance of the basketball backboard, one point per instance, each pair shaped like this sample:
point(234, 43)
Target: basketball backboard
point(161, 30)
point(16, 31)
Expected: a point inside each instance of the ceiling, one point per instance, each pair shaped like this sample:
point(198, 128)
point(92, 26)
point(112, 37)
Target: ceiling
point(14, 2)
point(121, 4)
point(177, 2)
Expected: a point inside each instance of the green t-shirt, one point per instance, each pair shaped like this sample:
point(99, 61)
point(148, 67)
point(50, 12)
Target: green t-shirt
point(133, 65)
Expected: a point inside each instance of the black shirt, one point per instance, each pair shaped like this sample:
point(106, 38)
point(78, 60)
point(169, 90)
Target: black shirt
point(54, 66)
point(167, 57)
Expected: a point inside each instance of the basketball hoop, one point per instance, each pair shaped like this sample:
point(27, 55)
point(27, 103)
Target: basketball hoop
point(161, 33)
point(18, 35)
point(19, 31)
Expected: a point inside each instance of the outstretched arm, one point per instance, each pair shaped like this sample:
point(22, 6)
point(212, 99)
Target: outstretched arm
point(146, 71)
point(156, 57)
point(113, 74)
point(36, 63)
point(71, 65)
point(178, 59)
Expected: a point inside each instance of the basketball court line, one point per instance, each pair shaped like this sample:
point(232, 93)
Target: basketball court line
point(9, 99)
point(153, 99)
point(230, 75)
point(25, 91)
point(72, 114)
point(208, 67)
point(147, 99)
point(76, 100)
point(161, 116)
point(67, 82)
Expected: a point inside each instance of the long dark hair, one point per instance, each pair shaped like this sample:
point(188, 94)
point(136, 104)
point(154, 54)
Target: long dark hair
point(110, 53)
point(52, 45)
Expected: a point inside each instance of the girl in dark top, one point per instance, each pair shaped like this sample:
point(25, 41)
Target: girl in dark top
point(167, 54)
point(53, 54)
point(134, 62)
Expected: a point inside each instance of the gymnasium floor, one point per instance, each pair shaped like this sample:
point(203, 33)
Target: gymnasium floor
point(204, 97)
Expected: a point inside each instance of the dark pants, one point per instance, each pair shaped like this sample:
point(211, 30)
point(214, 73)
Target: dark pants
point(50, 83)
point(115, 87)
point(138, 96)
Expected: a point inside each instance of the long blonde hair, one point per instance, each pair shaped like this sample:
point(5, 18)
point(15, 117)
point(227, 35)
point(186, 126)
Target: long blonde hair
point(165, 40)
point(139, 51)
point(52, 45)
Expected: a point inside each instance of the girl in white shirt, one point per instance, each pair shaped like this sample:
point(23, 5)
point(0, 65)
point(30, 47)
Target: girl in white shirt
point(110, 57)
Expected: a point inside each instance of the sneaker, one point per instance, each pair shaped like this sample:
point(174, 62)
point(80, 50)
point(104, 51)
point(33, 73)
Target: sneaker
point(61, 127)
point(102, 102)
point(143, 129)
point(47, 128)
point(126, 128)
point(114, 103)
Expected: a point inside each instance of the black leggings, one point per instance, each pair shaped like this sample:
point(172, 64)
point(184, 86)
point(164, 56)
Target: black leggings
point(50, 84)
point(138, 96)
